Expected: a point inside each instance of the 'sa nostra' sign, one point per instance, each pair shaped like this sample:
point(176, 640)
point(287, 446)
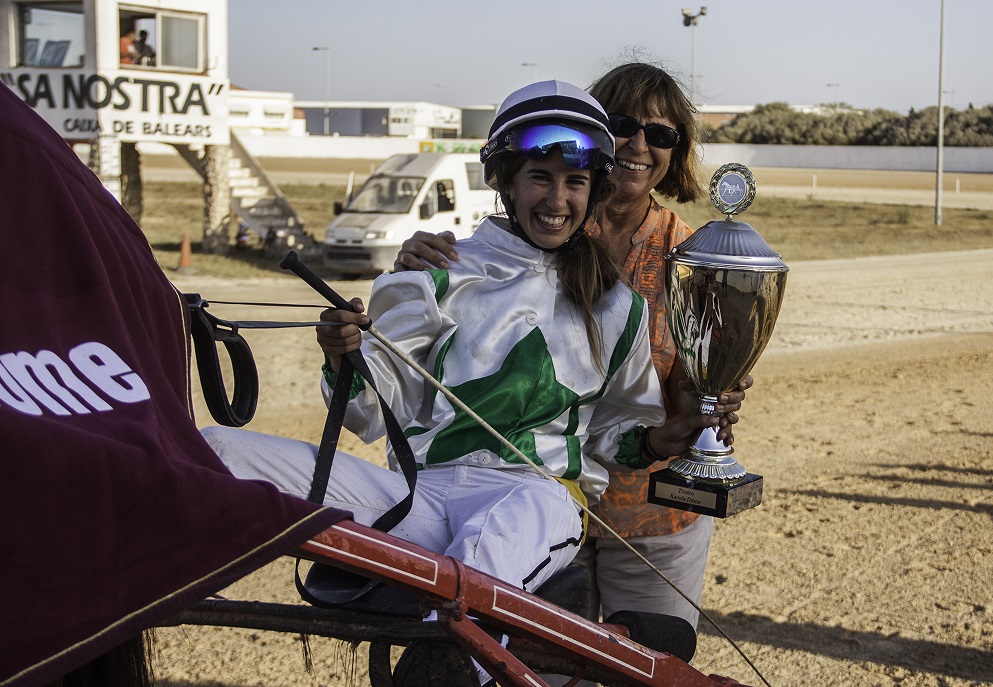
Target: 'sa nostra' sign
point(169, 108)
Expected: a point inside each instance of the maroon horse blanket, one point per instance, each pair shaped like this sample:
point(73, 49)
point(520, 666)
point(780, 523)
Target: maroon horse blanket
point(114, 513)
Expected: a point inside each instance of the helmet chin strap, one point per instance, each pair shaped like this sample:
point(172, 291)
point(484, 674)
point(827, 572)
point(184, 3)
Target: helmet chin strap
point(569, 243)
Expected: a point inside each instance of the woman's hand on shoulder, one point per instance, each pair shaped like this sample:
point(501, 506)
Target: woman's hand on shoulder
point(345, 334)
point(425, 251)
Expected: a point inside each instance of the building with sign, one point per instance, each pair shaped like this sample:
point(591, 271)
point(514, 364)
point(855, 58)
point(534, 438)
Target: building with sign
point(264, 113)
point(114, 69)
point(419, 119)
point(114, 74)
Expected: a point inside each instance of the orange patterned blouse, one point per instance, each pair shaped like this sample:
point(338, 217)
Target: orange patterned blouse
point(624, 506)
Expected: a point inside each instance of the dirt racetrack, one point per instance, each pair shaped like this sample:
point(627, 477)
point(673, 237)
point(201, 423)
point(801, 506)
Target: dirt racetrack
point(870, 560)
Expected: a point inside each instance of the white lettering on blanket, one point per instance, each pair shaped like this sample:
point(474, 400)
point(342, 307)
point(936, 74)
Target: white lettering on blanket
point(34, 384)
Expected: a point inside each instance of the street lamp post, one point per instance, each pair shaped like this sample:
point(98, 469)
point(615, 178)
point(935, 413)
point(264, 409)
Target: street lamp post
point(534, 70)
point(939, 162)
point(690, 19)
point(835, 86)
point(327, 87)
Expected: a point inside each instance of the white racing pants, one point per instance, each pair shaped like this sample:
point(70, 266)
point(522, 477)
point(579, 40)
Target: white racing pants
point(510, 522)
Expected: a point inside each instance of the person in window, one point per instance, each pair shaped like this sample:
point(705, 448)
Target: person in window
point(446, 197)
point(143, 51)
point(129, 54)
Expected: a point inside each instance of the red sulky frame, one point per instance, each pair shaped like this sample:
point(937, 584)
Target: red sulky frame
point(548, 637)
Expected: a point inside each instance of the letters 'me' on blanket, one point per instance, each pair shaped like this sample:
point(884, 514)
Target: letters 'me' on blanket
point(114, 513)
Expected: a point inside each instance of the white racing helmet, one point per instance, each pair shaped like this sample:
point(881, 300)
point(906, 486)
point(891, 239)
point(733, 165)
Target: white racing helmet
point(535, 119)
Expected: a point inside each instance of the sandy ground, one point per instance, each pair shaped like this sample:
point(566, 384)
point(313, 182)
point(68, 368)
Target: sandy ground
point(869, 560)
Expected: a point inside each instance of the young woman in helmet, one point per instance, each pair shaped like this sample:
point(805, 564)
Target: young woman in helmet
point(657, 151)
point(531, 329)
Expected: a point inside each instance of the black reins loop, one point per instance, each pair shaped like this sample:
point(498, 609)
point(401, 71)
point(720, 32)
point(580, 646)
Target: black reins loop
point(207, 331)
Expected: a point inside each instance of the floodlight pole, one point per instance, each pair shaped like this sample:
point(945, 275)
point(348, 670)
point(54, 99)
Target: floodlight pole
point(940, 162)
point(690, 19)
point(836, 87)
point(327, 87)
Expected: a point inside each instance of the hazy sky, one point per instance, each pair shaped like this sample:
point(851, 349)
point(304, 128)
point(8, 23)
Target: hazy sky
point(882, 53)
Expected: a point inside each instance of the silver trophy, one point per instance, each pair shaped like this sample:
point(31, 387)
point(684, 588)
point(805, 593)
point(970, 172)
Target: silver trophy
point(724, 286)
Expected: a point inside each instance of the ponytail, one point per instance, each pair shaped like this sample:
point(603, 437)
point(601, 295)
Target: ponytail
point(588, 271)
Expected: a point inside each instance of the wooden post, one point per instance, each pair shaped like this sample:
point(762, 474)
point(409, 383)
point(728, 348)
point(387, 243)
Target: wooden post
point(216, 199)
point(132, 190)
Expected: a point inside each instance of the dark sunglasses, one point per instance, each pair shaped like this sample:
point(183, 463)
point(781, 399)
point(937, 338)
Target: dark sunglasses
point(656, 135)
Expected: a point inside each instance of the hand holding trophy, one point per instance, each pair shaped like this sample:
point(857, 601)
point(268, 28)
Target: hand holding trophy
point(724, 287)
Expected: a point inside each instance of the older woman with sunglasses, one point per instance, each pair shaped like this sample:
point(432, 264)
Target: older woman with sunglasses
point(656, 133)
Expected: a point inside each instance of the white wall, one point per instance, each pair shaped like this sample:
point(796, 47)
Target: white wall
point(962, 160)
point(344, 147)
point(916, 159)
point(335, 147)
point(262, 112)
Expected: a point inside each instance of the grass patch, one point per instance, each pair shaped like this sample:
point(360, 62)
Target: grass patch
point(799, 229)
point(172, 208)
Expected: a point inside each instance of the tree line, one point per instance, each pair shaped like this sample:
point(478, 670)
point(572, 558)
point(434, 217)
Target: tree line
point(778, 123)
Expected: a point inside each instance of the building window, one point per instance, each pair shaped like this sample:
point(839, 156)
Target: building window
point(163, 40)
point(52, 34)
point(474, 170)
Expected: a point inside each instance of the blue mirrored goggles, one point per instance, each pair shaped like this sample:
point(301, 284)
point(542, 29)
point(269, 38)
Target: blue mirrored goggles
point(582, 147)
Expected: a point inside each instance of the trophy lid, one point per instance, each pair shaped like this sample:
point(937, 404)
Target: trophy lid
point(727, 242)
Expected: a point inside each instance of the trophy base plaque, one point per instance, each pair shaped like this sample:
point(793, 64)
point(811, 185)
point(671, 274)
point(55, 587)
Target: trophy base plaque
point(716, 498)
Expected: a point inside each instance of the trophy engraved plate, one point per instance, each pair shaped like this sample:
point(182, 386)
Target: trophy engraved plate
point(724, 288)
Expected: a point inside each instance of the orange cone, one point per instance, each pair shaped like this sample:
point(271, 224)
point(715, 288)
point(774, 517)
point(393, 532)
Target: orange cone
point(185, 255)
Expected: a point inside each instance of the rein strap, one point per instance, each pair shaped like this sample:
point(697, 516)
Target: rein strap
point(207, 331)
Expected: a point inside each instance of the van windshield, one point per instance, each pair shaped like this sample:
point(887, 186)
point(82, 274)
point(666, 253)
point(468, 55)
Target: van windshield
point(386, 194)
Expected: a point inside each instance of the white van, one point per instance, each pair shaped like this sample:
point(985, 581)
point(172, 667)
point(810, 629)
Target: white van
point(432, 192)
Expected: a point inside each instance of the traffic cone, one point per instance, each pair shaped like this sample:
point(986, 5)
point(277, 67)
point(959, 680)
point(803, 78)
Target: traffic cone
point(185, 256)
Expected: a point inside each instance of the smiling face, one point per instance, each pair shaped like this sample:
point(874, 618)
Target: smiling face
point(640, 167)
point(550, 199)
